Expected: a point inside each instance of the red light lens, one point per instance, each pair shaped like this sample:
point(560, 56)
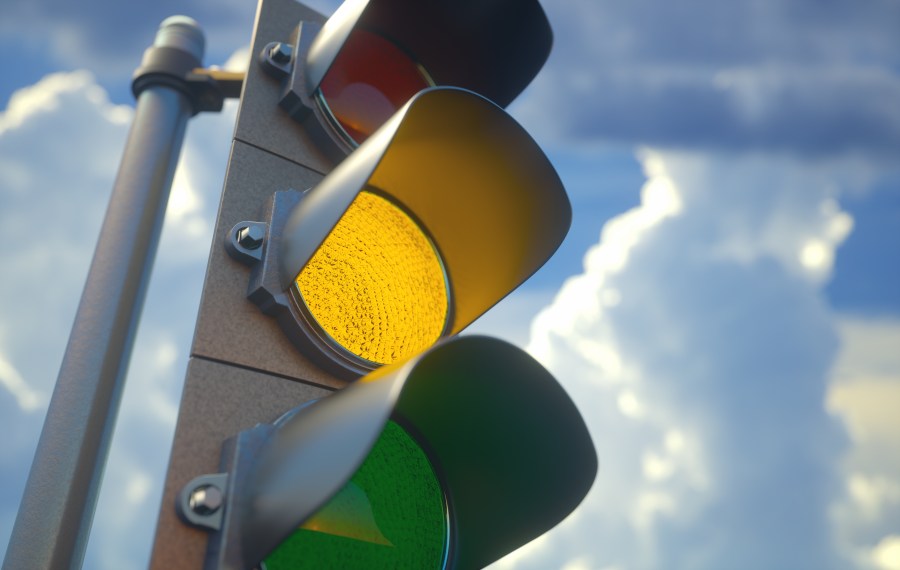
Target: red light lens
point(367, 82)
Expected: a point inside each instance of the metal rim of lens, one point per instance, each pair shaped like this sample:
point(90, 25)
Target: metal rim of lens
point(331, 120)
point(438, 470)
point(312, 325)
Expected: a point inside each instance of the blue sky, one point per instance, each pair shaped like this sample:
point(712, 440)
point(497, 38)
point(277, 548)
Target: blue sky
point(725, 311)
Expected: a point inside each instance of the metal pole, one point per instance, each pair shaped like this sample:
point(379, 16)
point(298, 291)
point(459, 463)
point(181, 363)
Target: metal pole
point(54, 518)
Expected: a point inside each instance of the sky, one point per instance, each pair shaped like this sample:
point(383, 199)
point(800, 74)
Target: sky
point(725, 311)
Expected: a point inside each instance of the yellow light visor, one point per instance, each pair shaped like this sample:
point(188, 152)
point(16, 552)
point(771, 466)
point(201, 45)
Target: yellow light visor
point(376, 287)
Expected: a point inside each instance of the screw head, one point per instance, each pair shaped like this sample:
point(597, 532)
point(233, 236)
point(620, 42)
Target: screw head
point(281, 53)
point(250, 237)
point(205, 500)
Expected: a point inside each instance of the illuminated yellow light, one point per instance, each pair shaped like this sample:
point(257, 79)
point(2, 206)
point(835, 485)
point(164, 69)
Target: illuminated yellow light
point(376, 286)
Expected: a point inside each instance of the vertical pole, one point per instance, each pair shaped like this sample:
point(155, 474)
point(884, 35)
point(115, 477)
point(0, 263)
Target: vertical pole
point(54, 518)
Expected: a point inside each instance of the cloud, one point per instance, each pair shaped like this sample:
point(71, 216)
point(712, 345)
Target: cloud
point(109, 37)
point(54, 184)
point(864, 395)
point(802, 77)
point(698, 347)
point(60, 143)
point(887, 554)
point(29, 400)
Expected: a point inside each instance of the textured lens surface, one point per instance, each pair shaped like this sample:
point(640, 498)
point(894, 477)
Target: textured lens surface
point(368, 81)
point(391, 514)
point(376, 286)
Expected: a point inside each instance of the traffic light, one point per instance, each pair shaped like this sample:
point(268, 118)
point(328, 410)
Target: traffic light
point(429, 223)
point(449, 460)
point(343, 79)
point(360, 431)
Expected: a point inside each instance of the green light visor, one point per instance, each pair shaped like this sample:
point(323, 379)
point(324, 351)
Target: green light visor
point(490, 452)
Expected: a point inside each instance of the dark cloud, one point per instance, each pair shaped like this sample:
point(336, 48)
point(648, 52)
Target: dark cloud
point(807, 76)
point(109, 37)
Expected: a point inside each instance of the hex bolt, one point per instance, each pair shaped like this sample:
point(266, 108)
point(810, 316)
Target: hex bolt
point(205, 500)
point(251, 237)
point(281, 53)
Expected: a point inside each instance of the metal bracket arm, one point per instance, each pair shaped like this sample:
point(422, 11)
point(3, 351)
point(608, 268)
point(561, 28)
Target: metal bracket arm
point(206, 89)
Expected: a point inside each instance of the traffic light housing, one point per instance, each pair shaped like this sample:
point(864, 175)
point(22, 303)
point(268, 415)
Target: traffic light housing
point(485, 207)
point(486, 415)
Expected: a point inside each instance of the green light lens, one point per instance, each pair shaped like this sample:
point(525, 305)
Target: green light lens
point(391, 514)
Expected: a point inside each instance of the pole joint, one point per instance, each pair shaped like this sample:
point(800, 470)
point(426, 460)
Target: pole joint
point(174, 61)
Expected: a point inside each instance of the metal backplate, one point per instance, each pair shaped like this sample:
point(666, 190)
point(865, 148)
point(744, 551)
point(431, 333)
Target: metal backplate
point(230, 328)
point(219, 401)
point(261, 121)
point(242, 369)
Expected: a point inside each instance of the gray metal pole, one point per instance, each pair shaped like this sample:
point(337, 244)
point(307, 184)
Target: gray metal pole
point(57, 508)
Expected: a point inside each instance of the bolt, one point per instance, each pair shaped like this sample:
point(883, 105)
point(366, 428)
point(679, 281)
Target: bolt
point(205, 500)
point(250, 237)
point(281, 53)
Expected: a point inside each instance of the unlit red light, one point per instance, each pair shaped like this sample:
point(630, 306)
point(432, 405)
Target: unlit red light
point(367, 82)
point(376, 286)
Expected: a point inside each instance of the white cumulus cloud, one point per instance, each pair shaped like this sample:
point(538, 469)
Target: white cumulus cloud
point(60, 144)
point(865, 395)
point(704, 382)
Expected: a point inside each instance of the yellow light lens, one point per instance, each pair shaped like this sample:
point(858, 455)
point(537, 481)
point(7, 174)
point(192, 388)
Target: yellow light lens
point(376, 286)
